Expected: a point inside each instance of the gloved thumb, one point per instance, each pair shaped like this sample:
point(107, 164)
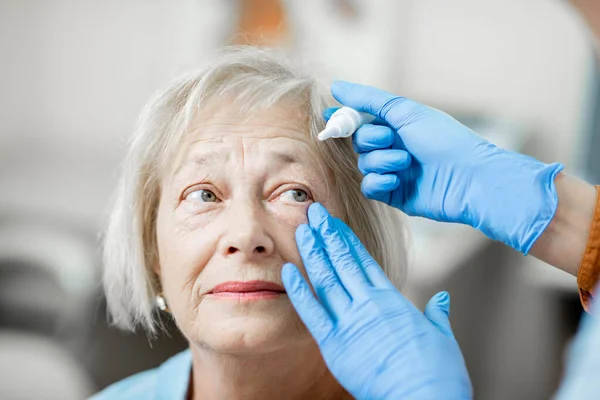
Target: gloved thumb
point(437, 311)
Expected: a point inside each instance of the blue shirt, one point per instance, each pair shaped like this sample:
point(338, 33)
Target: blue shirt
point(171, 379)
point(167, 382)
point(582, 379)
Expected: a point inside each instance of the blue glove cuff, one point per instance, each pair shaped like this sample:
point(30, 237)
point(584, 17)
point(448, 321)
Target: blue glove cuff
point(548, 207)
point(519, 202)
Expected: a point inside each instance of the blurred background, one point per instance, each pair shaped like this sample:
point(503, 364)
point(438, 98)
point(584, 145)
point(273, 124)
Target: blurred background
point(74, 74)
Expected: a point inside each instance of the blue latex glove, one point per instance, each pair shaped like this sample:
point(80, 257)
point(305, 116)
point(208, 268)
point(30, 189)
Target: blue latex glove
point(375, 342)
point(427, 164)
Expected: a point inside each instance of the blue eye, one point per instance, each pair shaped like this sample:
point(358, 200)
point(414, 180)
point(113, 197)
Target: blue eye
point(205, 196)
point(297, 195)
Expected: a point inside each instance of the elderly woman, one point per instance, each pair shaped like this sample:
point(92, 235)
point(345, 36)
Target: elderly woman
point(221, 171)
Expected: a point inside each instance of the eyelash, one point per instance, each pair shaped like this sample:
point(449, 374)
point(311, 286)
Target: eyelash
point(219, 197)
point(296, 187)
point(198, 188)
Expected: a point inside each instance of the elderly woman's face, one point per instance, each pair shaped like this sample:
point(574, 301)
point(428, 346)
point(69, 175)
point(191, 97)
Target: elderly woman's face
point(228, 211)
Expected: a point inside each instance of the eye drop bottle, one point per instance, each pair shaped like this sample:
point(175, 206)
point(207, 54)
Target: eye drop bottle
point(344, 122)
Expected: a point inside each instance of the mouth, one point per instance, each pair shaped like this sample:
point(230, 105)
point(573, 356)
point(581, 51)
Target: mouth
point(248, 290)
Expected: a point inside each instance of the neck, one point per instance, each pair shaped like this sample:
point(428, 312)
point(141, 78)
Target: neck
point(299, 373)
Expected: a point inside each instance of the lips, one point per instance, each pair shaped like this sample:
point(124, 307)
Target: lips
point(248, 290)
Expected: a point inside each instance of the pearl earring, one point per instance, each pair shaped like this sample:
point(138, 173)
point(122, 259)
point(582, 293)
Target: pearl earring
point(161, 302)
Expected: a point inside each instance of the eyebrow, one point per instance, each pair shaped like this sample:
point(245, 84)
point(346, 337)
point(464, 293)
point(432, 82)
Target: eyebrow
point(207, 158)
point(285, 158)
point(214, 157)
point(200, 160)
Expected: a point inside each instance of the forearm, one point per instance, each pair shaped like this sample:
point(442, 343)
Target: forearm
point(564, 241)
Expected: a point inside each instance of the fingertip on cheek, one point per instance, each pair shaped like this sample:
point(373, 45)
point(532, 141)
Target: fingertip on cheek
point(287, 272)
point(291, 277)
point(302, 231)
point(317, 214)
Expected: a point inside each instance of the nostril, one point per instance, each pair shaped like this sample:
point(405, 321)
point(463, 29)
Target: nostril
point(231, 250)
point(260, 249)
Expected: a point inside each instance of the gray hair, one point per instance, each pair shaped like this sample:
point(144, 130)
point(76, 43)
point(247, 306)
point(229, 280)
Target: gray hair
point(255, 78)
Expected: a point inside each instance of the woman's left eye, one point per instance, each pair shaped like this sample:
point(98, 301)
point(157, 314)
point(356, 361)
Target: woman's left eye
point(296, 195)
point(203, 196)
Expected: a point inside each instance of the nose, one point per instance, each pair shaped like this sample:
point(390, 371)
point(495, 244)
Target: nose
point(246, 234)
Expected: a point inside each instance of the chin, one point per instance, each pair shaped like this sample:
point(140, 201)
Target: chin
point(249, 331)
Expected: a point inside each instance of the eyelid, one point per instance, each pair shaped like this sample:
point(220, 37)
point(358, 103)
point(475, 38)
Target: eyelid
point(200, 186)
point(291, 186)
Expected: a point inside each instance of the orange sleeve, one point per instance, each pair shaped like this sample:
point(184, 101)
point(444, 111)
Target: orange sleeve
point(589, 269)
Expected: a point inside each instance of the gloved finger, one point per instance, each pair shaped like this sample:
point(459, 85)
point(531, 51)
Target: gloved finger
point(437, 311)
point(371, 268)
point(379, 186)
point(383, 161)
point(324, 280)
point(395, 110)
point(338, 251)
point(309, 309)
point(373, 137)
point(328, 112)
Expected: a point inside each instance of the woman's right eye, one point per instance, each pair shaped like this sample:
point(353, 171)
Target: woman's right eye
point(203, 195)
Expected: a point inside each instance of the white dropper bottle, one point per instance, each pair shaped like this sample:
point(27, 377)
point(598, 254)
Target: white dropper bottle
point(344, 122)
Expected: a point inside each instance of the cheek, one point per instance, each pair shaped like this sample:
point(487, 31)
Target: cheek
point(184, 249)
point(290, 215)
point(287, 218)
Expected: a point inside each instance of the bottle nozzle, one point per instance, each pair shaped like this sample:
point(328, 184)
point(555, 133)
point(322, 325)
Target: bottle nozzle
point(344, 122)
point(330, 132)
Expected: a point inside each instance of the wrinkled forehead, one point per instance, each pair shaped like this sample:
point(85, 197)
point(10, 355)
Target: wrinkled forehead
point(286, 114)
point(222, 118)
point(281, 131)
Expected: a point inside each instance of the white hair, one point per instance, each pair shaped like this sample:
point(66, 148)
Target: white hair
point(255, 78)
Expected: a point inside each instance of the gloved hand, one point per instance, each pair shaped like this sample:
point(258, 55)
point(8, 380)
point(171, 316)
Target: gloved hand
point(427, 164)
point(375, 342)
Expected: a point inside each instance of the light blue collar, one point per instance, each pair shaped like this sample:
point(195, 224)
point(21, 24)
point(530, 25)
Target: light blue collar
point(173, 377)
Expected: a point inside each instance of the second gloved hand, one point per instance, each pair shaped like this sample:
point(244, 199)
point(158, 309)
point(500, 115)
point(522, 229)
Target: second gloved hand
point(375, 342)
point(427, 164)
